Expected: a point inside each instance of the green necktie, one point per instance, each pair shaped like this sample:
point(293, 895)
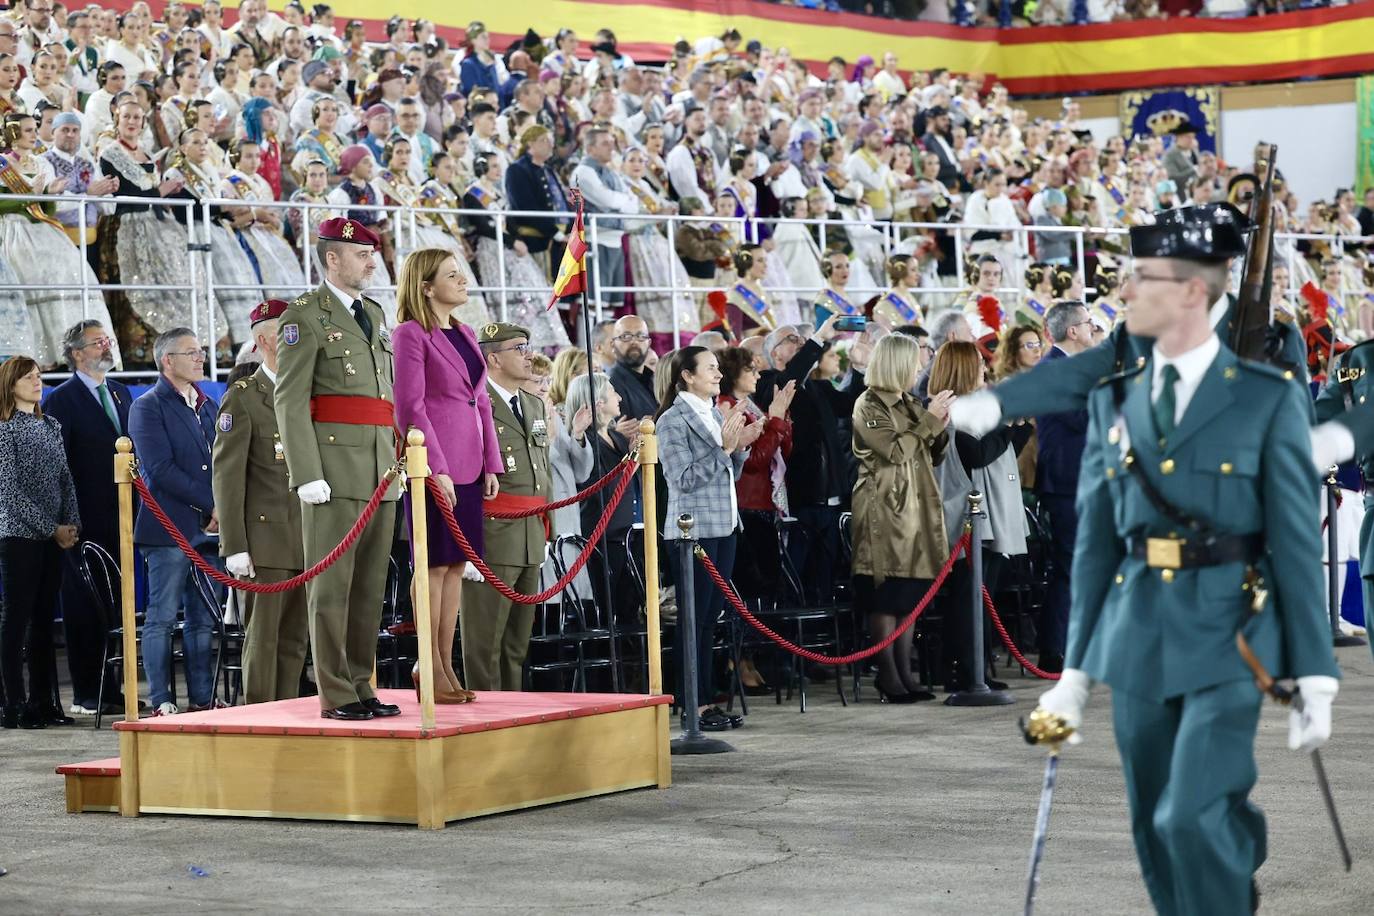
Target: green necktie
point(1165, 403)
point(106, 403)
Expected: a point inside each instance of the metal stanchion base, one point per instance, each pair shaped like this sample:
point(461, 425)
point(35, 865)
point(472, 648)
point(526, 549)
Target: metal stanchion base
point(979, 696)
point(1341, 640)
point(699, 744)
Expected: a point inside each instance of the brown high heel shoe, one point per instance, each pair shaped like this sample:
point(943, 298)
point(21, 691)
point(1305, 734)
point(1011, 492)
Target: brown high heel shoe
point(442, 696)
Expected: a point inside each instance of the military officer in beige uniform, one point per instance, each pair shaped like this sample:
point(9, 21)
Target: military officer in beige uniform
point(260, 521)
point(336, 413)
point(496, 630)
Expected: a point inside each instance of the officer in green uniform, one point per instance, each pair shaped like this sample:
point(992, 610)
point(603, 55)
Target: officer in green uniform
point(335, 411)
point(1350, 386)
point(1197, 520)
point(260, 521)
point(496, 630)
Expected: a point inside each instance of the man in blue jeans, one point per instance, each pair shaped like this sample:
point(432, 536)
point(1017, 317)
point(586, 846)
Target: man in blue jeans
point(173, 428)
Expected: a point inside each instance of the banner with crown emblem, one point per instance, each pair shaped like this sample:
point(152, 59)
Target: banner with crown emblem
point(1156, 113)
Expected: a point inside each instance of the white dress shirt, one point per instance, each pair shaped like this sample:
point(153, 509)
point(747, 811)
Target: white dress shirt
point(1191, 366)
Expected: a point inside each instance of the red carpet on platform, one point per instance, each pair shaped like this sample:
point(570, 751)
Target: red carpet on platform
point(492, 710)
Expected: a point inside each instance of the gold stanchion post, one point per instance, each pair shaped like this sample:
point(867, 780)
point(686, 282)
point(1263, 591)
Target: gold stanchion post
point(429, 750)
point(648, 459)
point(417, 472)
point(124, 463)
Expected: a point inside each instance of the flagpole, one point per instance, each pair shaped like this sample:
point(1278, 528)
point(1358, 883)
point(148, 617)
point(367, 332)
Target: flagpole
point(594, 442)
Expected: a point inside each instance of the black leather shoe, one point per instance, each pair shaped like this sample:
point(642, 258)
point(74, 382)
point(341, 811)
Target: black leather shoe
point(349, 712)
point(32, 718)
point(994, 684)
point(713, 721)
point(735, 719)
point(9, 717)
point(1051, 663)
point(379, 709)
point(56, 716)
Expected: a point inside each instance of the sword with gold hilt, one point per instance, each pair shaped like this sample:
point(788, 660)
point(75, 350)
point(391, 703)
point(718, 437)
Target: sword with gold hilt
point(1048, 729)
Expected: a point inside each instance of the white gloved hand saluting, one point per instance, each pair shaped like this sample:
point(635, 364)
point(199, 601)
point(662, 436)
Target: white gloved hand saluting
point(976, 414)
point(314, 493)
point(1067, 698)
point(241, 565)
point(1310, 729)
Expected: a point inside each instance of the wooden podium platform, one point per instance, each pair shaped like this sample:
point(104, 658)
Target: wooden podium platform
point(504, 752)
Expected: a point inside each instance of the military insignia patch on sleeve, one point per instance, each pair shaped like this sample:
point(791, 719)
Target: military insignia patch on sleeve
point(291, 334)
point(226, 422)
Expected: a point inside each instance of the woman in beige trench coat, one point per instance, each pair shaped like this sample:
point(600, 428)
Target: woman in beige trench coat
point(898, 524)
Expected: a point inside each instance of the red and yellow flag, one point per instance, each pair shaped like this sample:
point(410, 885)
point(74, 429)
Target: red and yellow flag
point(572, 270)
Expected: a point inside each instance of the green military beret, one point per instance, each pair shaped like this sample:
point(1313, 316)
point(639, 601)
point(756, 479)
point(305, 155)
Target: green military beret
point(498, 331)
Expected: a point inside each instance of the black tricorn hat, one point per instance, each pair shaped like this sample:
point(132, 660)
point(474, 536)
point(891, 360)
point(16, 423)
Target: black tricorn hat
point(1184, 128)
point(1203, 232)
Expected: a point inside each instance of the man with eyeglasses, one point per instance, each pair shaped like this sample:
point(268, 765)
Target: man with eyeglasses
point(39, 30)
point(1061, 442)
point(173, 428)
point(1197, 522)
point(495, 630)
point(94, 411)
point(630, 378)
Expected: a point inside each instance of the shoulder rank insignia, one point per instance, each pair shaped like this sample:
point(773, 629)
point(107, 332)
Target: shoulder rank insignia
point(300, 300)
point(241, 383)
point(333, 336)
point(291, 334)
point(1349, 375)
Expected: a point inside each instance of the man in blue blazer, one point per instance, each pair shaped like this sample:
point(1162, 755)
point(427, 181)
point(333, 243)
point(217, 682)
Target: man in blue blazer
point(94, 412)
point(1061, 437)
point(173, 428)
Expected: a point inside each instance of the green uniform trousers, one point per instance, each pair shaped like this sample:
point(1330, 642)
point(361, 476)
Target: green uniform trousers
point(345, 601)
point(496, 631)
point(275, 639)
point(1190, 764)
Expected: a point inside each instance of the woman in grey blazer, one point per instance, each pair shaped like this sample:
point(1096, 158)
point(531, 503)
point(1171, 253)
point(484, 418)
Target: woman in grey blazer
point(702, 452)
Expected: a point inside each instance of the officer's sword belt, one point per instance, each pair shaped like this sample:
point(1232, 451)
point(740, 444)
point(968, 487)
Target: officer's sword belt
point(1205, 547)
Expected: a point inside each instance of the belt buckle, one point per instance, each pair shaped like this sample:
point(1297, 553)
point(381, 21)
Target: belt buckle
point(1164, 553)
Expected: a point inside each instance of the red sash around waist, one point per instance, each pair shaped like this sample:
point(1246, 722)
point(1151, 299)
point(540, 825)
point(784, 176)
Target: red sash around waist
point(515, 502)
point(352, 409)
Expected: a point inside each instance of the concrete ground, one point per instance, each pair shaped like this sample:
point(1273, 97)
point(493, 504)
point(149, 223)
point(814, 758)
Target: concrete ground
point(873, 808)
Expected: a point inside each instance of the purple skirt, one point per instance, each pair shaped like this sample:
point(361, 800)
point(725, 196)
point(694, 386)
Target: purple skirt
point(443, 549)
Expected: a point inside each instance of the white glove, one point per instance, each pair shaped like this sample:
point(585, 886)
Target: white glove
point(976, 414)
point(314, 493)
point(1067, 698)
point(472, 574)
point(1310, 729)
point(1332, 443)
point(241, 565)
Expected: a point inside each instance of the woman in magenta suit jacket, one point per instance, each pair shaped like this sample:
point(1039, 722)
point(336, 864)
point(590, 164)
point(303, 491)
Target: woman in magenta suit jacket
point(441, 390)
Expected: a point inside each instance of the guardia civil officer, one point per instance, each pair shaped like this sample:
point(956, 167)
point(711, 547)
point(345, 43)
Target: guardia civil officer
point(335, 411)
point(1197, 520)
point(1349, 386)
point(260, 520)
point(496, 630)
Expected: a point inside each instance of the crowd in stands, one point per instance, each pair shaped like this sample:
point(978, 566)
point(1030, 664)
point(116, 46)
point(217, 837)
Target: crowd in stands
point(217, 122)
point(284, 108)
point(1018, 13)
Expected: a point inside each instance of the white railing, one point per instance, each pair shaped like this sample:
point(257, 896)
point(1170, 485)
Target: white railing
point(887, 236)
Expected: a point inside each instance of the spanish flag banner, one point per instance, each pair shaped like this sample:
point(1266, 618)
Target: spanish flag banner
point(572, 270)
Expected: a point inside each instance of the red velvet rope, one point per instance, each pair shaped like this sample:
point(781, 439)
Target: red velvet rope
point(960, 547)
point(1006, 640)
point(259, 588)
point(626, 475)
point(573, 500)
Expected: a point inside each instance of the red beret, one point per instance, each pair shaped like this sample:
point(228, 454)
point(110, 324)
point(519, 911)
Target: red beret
point(266, 311)
point(339, 229)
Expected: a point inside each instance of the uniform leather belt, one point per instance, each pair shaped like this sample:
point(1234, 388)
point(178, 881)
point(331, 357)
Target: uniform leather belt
point(515, 502)
point(1179, 553)
point(352, 409)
